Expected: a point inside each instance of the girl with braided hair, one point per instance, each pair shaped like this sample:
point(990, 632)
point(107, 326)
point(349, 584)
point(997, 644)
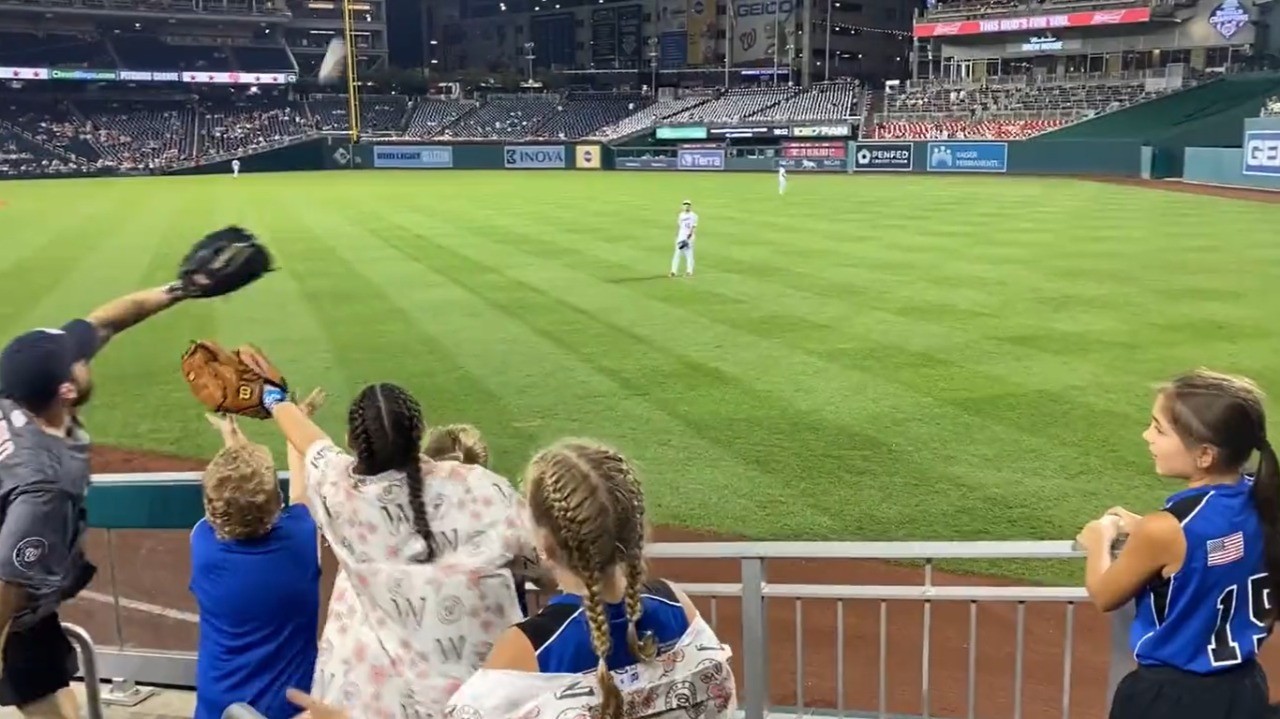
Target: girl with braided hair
point(457, 442)
point(642, 641)
point(424, 551)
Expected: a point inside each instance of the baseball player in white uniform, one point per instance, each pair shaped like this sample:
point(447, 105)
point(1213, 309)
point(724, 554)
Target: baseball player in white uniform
point(235, 168)
point(687, 226)
point(782, 179)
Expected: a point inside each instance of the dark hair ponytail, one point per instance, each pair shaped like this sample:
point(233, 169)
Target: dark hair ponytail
point(1266, 499)
point(385, 428)
point(1226, 412)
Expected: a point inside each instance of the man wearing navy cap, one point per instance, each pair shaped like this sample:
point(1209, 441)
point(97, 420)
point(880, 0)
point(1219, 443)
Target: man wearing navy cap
point(44, 477)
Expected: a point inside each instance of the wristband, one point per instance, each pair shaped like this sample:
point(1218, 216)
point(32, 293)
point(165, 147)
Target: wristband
point(272, 396)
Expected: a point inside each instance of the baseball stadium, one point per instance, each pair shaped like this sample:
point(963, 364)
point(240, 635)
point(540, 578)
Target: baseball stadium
point(949, 254)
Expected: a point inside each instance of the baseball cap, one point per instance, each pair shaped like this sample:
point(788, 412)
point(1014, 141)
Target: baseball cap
point(34, 364)
point(686, 202)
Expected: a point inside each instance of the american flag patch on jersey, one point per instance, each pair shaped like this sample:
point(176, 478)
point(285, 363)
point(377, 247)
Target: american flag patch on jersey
point(1226, 550)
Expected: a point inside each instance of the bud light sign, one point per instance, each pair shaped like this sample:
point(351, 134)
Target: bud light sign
point(701, 160)
point(418, 157)
point(533, 157)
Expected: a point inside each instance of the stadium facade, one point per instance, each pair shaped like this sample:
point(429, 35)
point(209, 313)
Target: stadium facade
point(827, 39)
point(1120, 40)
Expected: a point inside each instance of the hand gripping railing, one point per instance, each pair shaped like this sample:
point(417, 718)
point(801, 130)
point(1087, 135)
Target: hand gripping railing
point(89, 667)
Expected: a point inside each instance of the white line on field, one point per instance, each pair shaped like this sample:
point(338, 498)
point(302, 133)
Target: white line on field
point(136, 605)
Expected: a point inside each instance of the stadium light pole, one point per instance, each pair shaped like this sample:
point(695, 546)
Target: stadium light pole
point(528, 58)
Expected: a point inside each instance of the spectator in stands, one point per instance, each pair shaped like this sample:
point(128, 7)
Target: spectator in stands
point(255, 574)
point(588, 510)
point(1218, 539)
point(425, 551)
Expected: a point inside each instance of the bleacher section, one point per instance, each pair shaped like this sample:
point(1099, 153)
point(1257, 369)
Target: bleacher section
point(736, 104)
point(506, 118)
point(825, 101)
point(141, 136)
point(1000, 110)
point(660, 111)
point(381, 114)
point(581, 115)
point(430, 116)
point(232, 129)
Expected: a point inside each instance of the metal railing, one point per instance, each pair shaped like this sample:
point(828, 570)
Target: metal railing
point(927, 600)
point(88, 669)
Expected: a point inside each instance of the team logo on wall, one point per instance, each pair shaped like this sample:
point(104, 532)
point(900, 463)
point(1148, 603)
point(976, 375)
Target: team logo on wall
point(1228, 18)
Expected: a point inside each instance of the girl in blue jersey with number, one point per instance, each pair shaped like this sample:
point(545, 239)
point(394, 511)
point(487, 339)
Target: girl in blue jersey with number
point(1204, 571)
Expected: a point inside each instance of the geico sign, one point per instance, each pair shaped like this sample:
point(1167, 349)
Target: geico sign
point(1262, 153)
point(766, 7)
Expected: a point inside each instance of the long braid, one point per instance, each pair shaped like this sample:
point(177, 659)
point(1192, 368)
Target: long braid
point(385, 426)
point(586, 497)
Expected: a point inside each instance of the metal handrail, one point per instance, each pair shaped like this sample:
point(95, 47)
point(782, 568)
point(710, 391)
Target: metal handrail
point(241, 711)
point(89, 667)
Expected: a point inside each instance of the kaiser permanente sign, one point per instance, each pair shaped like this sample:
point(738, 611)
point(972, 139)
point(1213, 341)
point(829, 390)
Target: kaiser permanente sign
point(1087, 18)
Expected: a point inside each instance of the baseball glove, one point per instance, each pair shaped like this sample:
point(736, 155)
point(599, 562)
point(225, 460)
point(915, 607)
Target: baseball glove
point(222, 262)
point(225, 382)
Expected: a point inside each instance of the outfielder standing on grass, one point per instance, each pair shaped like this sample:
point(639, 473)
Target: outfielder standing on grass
point(428, 552)
point(44, 468)
point(1204, 572)
point(686, 230)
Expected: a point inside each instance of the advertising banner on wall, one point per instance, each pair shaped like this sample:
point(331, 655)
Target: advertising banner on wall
point(805, 164)
point(753, 131)
point(414, 157)
point(687, 132)
point(882, 156)
point(673, 41)
point(701, 159)
point(194, 78)
point(630, 19)
point(1262, 152)
point(843, 129)
point(604, 36)
point(967, 157)
point(533, 157)
point(702, 32)
point(1086, 18)
point(813, 149)
point(646, 163)
point(761, 28)
point(587, 157)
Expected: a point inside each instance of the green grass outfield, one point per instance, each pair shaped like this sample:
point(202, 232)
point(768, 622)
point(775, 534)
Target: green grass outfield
point(887, 357)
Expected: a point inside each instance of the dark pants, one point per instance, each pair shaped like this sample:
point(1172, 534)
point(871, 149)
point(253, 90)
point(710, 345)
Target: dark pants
point(38, 661)
point(1167, 693)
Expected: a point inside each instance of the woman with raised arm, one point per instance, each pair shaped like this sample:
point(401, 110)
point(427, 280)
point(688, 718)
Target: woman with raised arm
point(425, 551)
point(1203, 572)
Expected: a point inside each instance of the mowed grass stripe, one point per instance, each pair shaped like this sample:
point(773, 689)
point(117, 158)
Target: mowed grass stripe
point(567, 399)
point(832, 437)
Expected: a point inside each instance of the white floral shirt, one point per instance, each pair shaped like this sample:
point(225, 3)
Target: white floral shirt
point(403, 634)
point(692, 681)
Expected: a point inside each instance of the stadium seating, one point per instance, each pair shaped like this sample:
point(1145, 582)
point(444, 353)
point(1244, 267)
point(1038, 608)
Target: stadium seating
point(22, 156)
point(507, 118)
point(736, 104)
point(430, 115)
point(581, 115)
point(383, 114)
point(141, 136)
point(824, 101)
point(647, 117)
point(1010, 110)
point(235, 129)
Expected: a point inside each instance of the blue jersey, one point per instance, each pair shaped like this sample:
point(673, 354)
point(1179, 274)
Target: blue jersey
point(562, 640)
point(1210, 616)
point(259, 604)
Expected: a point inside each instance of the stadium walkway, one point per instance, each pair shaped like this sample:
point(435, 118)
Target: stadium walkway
point(165, 704)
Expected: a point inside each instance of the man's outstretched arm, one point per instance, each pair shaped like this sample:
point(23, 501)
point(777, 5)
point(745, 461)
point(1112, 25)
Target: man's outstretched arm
point(122, 313)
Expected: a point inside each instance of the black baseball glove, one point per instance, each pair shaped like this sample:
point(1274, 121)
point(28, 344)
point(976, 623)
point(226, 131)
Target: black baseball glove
point(222, 262)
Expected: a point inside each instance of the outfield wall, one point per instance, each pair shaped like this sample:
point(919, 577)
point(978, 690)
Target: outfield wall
point(1255, 164)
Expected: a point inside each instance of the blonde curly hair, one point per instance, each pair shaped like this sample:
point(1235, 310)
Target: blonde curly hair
point(242, 498)
point(459, 443)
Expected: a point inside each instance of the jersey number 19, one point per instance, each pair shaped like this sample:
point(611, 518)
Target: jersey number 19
point(1224, 651)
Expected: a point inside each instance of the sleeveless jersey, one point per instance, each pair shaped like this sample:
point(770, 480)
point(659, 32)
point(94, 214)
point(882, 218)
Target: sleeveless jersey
point(1210, 616)
point(561, 638)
